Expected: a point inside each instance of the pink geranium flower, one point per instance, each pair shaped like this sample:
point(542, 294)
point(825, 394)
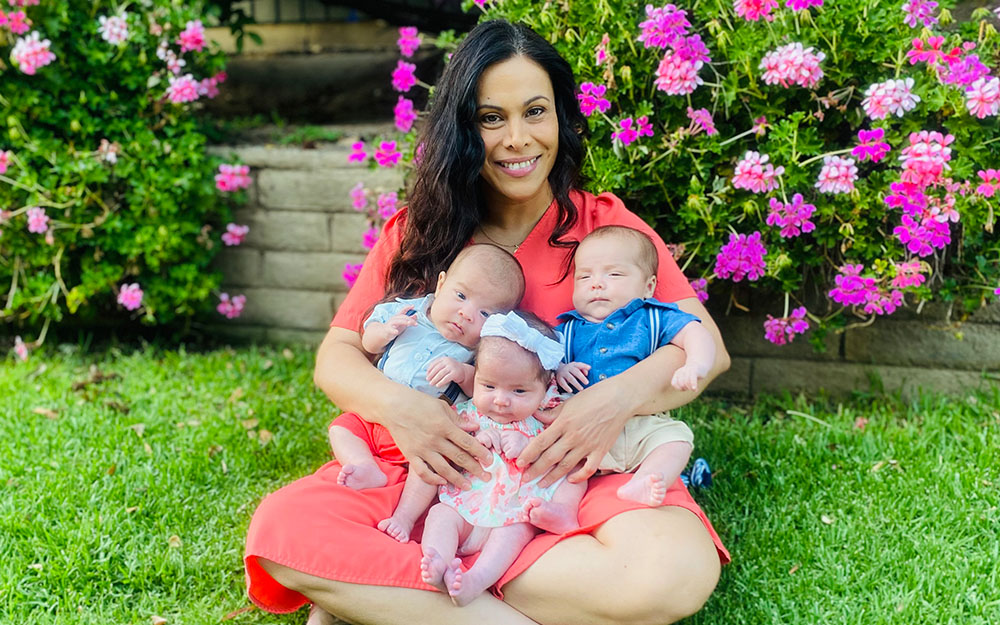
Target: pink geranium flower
point(601, 52)
point(742, 257)
point(919, 11)
point(113, 29)
point(359, 197)
point(701, 120)
point(232, 177)
point(182, 89)
point(358, 154)
point(5, 156)
point(991, 181)
point(387, 155)
point(870, 145)
point(926, 52)
point(663, 26)
point(799, 5)
point(351, 272)
point(38, 221)
point(18, 22)
point(792, 64)
point(31, 53)
point(700, 287)
point(892, 97)
point(997, 291)
point(793, 217)
point(20, 349)
point(130, 296)
point(386, 203)
point(192, 37)
point(369, 238)
point(404, 114)
point(754, 173)
point(409, 40)
point(231, 307)
point(234, 234)
point(677, 74)
point(851, 289)
point(592, 98)
point(645, 128)
point(837, 175)
point(625, 134)
point(926, 158)
point(982, 97)
point(908, 274)
point(783, 330)
point(403, 77)
point(753, 10)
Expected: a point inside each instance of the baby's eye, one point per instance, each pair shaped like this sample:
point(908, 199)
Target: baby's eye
point(460, 295)
point(484, 313)
point(520, 391)
point(582, 276)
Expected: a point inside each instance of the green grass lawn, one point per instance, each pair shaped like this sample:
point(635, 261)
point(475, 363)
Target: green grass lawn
point(128, 480)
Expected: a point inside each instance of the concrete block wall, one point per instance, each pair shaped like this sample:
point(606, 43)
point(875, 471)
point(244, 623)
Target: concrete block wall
point(303, 230)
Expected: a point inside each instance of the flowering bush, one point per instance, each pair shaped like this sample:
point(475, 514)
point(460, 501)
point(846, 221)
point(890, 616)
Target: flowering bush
point(107, 203)
point(850, 145)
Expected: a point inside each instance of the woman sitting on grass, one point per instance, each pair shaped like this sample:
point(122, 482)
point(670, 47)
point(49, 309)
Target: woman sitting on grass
point(502, 154)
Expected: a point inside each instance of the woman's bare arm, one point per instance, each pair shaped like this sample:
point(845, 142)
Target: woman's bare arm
point(422, 426)
point(589, 422)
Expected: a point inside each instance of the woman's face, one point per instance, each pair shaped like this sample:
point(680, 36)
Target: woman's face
point(516, 116)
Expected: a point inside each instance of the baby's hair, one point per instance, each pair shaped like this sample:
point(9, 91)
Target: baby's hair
point(497, 267)
point(645, 257)
point(535, 322)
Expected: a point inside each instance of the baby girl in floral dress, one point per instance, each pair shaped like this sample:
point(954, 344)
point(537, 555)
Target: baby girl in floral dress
point(515, 361)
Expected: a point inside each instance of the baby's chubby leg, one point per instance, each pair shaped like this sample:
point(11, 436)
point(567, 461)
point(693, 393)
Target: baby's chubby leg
point(444, 530)
point(657, 472)
point(560, 515)
point(501, 549)
point(358, 470)
point(417, 495)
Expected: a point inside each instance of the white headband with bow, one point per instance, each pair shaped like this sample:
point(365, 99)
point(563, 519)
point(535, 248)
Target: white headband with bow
point(514, 328)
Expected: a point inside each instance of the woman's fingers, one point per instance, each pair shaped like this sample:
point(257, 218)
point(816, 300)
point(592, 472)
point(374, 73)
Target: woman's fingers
point(588, 469)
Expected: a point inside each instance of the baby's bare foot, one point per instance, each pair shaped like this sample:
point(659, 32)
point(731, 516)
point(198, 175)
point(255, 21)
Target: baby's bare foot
point(648, 489)
point(550, 516)
point(319, 616)
point(397, 528)
point(432, 569)
point(361, 476)
point(461, 586)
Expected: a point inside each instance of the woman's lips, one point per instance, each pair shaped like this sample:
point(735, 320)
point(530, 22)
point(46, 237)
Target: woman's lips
point(519, 169)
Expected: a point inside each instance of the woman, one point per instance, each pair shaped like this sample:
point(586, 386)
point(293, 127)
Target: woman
point(502, 153)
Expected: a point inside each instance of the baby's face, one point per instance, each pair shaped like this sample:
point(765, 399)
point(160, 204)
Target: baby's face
point(606, 277)
point(507, 387)
point(463, 301)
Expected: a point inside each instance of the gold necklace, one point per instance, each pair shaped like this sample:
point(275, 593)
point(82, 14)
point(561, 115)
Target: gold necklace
point(495, 242)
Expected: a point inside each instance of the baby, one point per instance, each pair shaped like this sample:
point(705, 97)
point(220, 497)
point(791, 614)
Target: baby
point(515, 362)
point(615, 325)
point(426, 343)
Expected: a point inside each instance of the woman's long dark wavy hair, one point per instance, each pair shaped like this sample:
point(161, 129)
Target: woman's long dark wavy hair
point(446, 203)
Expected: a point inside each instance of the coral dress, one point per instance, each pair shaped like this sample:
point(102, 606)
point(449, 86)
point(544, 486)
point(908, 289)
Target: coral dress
point(315, 526)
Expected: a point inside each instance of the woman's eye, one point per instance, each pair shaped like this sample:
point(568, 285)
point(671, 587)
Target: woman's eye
point(490, 119)
point(535, 111)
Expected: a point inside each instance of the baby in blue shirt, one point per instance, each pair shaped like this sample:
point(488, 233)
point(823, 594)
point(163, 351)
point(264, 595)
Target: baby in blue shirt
point(427, 343)
point(617, 324)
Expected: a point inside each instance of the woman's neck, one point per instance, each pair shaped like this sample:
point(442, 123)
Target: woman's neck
point(508, 223)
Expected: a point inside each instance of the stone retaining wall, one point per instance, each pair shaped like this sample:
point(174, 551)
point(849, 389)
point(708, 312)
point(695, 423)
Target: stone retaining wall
point(303, 230)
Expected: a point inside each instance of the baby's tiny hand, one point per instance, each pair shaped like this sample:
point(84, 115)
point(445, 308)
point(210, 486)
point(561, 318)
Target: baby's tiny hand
point(572, 375)
point(444, 370)
point(490, 438)
point(686, 378)
point(513, 443)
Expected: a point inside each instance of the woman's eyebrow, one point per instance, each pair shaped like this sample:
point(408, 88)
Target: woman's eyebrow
point(500, 108)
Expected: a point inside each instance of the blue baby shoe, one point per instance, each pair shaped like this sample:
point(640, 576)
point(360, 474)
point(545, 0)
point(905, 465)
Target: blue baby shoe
point(700, 475)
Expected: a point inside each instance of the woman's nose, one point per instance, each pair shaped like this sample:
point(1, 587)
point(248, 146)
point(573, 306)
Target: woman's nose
point(517, 135)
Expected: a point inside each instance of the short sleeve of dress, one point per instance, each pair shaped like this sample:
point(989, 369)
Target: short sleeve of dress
point(671, 285)
point(370, 286)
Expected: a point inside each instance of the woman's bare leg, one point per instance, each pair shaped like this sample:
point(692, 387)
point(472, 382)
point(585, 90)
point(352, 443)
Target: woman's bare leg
point(655, 566)
point(361, 604)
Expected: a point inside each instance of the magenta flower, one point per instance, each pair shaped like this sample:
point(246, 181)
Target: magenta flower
point(792, 217)
point(782, 330)
point(409, 40)
point(592, 98)
point(663, 26)
point(208, 87)
point(38, 221)
point(997, 291)
point(626, 134)
point(232, 177)
point(742, 257)
point(881, 303)
point(799, 5)
point(678, 75)
point(601, 51)
point(760, 126)
point(351, 272)
point(982, 97)
point(369, 238)
point(700, 287)
point(234, 234)
point(31, 53)
point(837, 175)
point(921, 237)
point(387, 155)
point(701, 121)
point(358, 154)
point(851, 289)
point(892, 97)
point(231, 307)
point(5, 156)
point(359, 197)
point(20, 349)
point(991, 181)
point(182, 89)
point(113, 29)
point(387, 204)
point(192, 37)
point(931, 54)
point(870, 145)
point(919, 11)
point(961, 70)
point(404, 114)
point(907, 274)
point(403, 77)
point(753, 10)
point(130, 296)
point(792, 64)
point(755, 174)
point(18, 22)
point(926, 158)
point(645, 128)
